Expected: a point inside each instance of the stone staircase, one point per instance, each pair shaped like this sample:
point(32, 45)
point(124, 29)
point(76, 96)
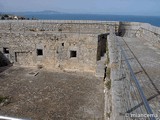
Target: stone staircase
point(101, 64)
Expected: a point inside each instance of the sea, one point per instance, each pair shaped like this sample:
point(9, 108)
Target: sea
point(153, 20)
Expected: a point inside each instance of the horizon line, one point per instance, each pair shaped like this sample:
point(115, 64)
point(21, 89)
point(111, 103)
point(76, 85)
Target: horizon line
point(96, 13)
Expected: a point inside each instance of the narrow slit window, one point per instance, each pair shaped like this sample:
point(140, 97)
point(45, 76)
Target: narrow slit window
point(73, 54)
point(6, 50)
point(39, 52)
point(62, 44)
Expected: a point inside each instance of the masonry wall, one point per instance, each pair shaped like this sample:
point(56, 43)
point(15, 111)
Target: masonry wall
point(56, 39)
point(128, 29)
point(142, 30)
point(150, 33)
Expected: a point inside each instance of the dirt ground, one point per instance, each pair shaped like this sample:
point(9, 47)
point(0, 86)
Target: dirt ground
point(50, 95)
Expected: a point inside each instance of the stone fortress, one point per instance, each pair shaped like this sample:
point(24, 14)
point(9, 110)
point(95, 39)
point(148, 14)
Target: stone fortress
point(67, 45)
point(76, 46)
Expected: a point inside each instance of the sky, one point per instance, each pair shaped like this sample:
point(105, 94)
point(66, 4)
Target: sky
point(115, 7)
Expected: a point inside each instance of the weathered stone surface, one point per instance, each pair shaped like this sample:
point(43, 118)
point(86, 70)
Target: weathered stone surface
point(57, 39)
point(51, 95)
point(144, 60)
point(81, 46)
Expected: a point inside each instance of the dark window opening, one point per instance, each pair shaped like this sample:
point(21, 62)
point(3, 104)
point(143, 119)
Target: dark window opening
point(6, 50)
point(62, 44)
point(16, 56)
point(73, 54)
point(39, 52)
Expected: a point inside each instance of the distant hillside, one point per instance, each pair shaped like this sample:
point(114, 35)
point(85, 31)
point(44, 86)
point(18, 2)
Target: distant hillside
point(48, 12)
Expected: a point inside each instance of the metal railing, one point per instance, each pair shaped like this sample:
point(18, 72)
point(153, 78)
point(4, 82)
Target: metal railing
point(136, 81)
point(11, 118)
point(132, 79)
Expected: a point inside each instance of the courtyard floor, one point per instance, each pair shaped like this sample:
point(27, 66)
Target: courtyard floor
point(50, 95)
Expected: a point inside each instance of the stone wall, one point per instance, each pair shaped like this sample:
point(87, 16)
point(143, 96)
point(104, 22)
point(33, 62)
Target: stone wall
point(128, 29)
point(149, 33)
point(142, 30)
point(117, 111)
point(67, 45)
point(56, 26)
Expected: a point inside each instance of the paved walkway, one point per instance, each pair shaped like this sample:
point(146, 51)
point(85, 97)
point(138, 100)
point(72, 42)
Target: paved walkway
point(147, 69)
